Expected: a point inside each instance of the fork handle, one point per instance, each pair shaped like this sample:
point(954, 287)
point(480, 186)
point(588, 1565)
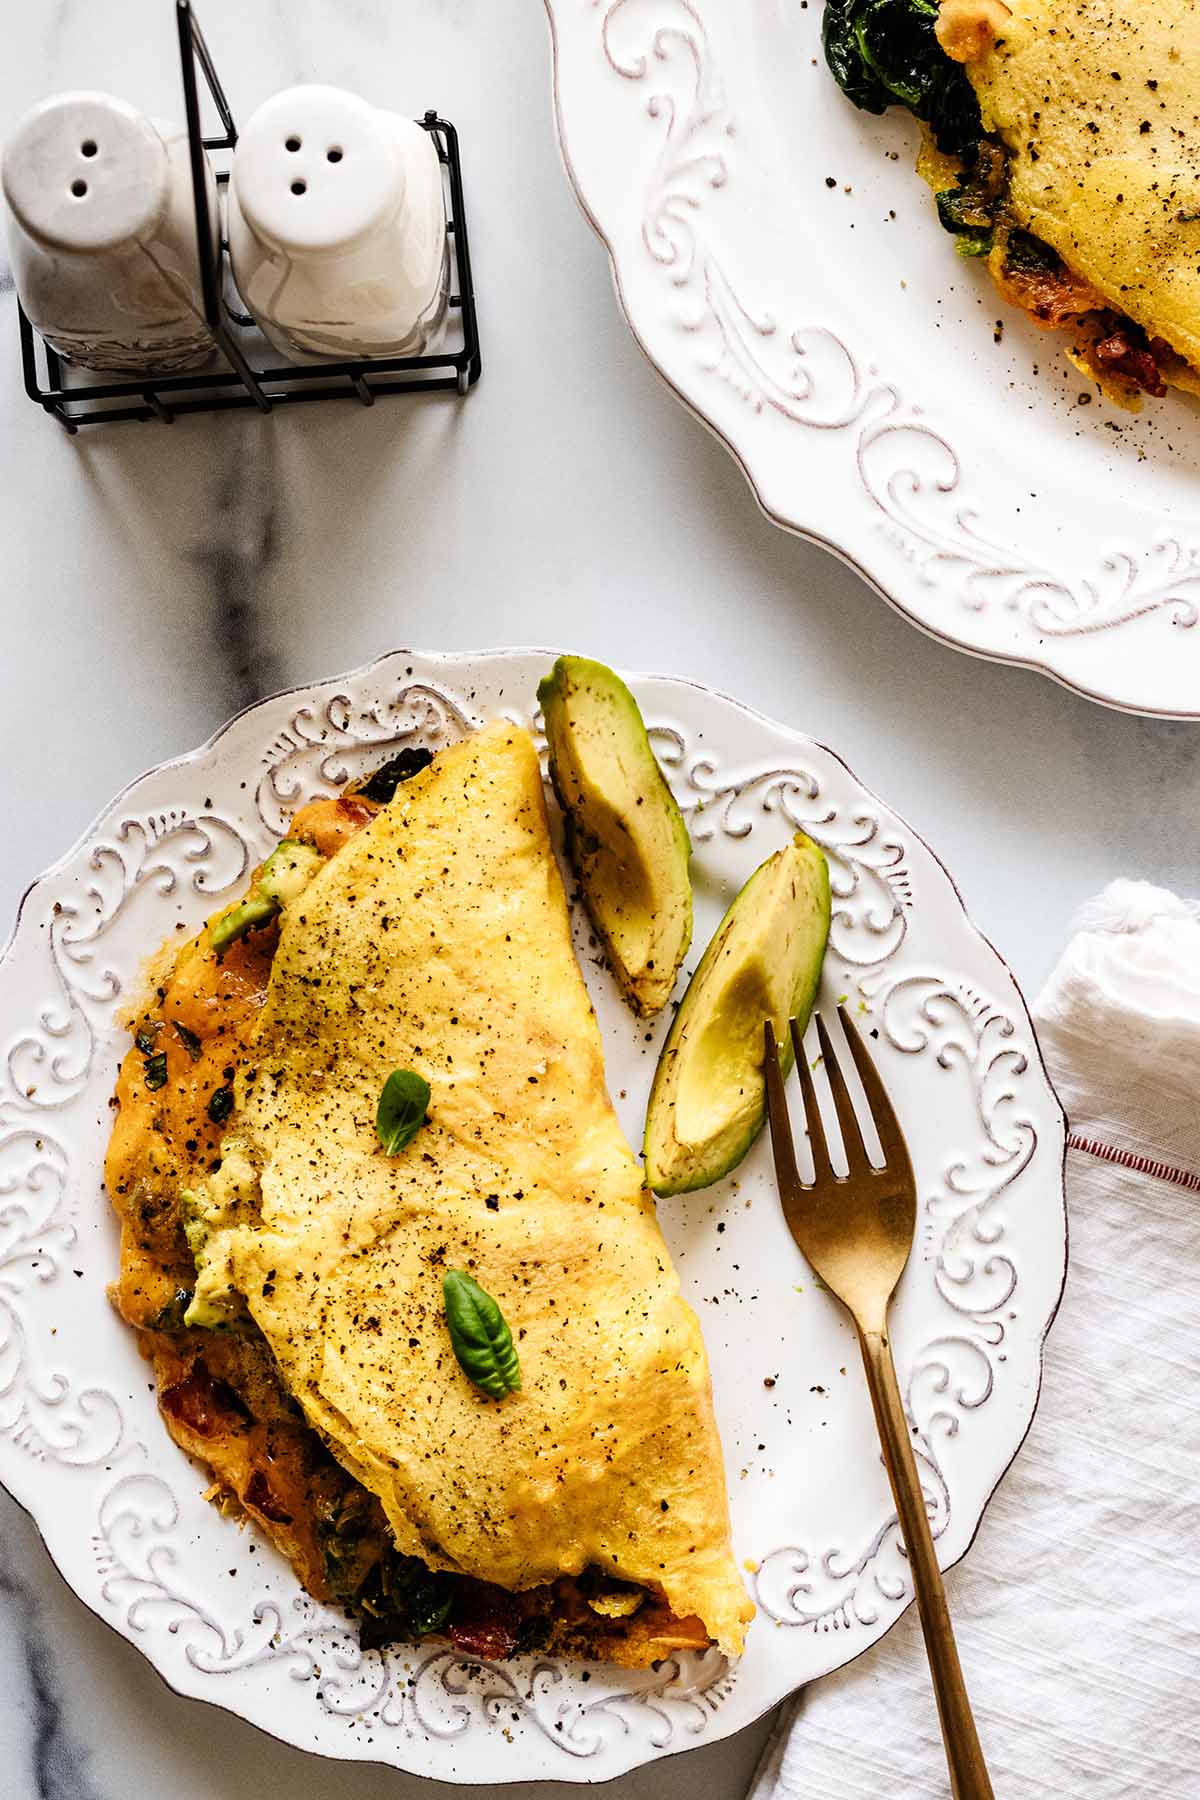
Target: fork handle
point(968, 1773)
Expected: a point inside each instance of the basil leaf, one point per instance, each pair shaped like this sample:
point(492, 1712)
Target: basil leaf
point(156, 1070)
point(401, 1111)
point(481, 1338)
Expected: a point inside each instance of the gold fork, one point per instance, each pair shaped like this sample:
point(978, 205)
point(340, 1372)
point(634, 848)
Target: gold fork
point(856, 1230)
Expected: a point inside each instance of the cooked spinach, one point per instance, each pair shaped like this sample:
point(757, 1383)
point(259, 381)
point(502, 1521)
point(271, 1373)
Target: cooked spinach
point(156, 1070)
point(401, 1601)
point(856, 79)
point(1025, 254)
point(384, 782)
point(430, 1604)
point(971, 209)
point(959, 211)
point(884, 52)
point(349, 1529)
point(342, 1554)
point(535, 1632)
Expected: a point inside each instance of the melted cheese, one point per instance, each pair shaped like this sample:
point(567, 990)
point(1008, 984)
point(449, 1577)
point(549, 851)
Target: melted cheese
point(1099, 104)
point(439, 940)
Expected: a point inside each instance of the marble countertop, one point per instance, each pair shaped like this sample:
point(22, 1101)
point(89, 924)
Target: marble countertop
point(155, 581)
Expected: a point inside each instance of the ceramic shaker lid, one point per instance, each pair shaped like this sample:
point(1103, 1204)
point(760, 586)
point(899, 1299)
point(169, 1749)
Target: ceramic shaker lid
point(86, 172)
point(317, 168)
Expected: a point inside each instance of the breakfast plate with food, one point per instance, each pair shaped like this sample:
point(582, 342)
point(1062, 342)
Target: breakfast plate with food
point(975, 382)
point(353, 1363)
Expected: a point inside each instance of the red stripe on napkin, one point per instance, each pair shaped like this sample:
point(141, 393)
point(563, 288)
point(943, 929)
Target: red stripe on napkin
point(1142, 1165)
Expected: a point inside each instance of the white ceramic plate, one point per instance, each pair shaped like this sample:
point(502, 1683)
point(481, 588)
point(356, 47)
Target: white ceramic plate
point(781, 264)
point(217, 1612)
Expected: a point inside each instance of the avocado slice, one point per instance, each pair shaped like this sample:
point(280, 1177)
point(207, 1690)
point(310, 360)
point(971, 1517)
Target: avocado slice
point(283, 877)
point(229, 1197)
point(625, 834)
point(764, 962)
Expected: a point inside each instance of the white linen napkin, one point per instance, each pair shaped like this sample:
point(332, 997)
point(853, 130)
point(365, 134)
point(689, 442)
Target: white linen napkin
point(1078, 1607)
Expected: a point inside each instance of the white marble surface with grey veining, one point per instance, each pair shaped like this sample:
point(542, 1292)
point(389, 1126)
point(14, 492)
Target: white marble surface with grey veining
point(156, 580)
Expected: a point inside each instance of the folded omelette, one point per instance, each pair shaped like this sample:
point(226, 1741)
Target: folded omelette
point(588, 1511)
point(1061, 142)
point(1097, 108)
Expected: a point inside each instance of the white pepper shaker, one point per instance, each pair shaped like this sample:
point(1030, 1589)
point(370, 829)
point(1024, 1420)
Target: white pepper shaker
point(102, 232)
point(337, 227)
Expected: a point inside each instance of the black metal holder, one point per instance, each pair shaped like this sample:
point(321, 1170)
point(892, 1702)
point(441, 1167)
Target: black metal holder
point(84, 400)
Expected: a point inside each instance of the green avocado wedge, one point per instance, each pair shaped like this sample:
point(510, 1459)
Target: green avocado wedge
point(764, 962)
point(282, 878)
point(625, 834)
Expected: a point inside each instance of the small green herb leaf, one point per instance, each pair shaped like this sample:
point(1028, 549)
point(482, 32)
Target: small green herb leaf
point(402, 1106)
point(189, 1040)
point(481, 1338)
point(220, 1104)
point(156, 1070)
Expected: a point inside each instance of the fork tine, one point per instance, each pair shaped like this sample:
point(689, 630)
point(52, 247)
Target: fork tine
point(786, 1173)
point(857, 1161)
point(891, 1138)
point(822, 1167)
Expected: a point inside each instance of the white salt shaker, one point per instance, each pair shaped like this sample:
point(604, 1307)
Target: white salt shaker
point(102, 232)
point(337, 227)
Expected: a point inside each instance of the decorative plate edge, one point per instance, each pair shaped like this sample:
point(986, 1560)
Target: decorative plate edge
point(451, 660)
point(809, 533)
